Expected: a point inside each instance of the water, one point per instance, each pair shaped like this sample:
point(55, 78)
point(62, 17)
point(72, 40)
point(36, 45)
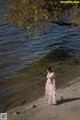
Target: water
point(15, 54)
point(23, 62)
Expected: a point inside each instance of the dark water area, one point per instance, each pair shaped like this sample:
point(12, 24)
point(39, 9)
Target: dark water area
point(23, 62)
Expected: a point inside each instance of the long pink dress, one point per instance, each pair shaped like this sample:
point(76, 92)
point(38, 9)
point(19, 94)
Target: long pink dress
point(50, 89)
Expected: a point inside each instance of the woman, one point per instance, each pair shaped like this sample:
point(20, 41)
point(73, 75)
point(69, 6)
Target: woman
point(50, 89)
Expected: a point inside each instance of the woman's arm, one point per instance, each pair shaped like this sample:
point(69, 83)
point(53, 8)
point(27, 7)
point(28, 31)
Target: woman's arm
point(52, 78)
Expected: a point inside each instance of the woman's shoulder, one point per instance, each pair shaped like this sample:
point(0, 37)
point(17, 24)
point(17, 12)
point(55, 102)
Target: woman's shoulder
point(52, 73)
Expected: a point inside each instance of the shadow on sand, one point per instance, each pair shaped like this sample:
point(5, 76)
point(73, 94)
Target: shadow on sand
point(66, 100)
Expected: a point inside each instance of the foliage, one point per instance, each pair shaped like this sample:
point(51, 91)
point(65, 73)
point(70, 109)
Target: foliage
point(35, 16)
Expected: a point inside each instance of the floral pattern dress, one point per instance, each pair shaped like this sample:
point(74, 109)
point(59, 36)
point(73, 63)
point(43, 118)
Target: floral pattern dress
point(50, 89)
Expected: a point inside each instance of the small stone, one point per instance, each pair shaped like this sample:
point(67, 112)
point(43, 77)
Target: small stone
point(16, 113)
point(23, 101)
point(34, 106)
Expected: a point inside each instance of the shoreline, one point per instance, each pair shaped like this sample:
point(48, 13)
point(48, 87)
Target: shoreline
point(26, 88)
point(68, 104)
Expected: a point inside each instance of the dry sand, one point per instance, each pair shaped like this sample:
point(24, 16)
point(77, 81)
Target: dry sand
point(68, 107)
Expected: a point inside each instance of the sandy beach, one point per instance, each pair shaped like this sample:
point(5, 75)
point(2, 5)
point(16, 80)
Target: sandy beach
point(67, 108)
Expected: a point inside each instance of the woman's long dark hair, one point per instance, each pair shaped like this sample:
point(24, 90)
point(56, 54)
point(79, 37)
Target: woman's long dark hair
point(50, 69)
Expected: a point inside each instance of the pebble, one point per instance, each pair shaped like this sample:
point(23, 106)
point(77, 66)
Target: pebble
point(23, 101)
point(16, 113)
point(34, 106)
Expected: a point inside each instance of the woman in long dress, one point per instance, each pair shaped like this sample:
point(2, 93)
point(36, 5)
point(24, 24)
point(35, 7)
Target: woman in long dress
point(50, 88)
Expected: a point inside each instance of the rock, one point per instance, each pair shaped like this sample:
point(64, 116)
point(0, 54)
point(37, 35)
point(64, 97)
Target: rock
point(34, 106)
point(23, 101)
point(16, 113)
